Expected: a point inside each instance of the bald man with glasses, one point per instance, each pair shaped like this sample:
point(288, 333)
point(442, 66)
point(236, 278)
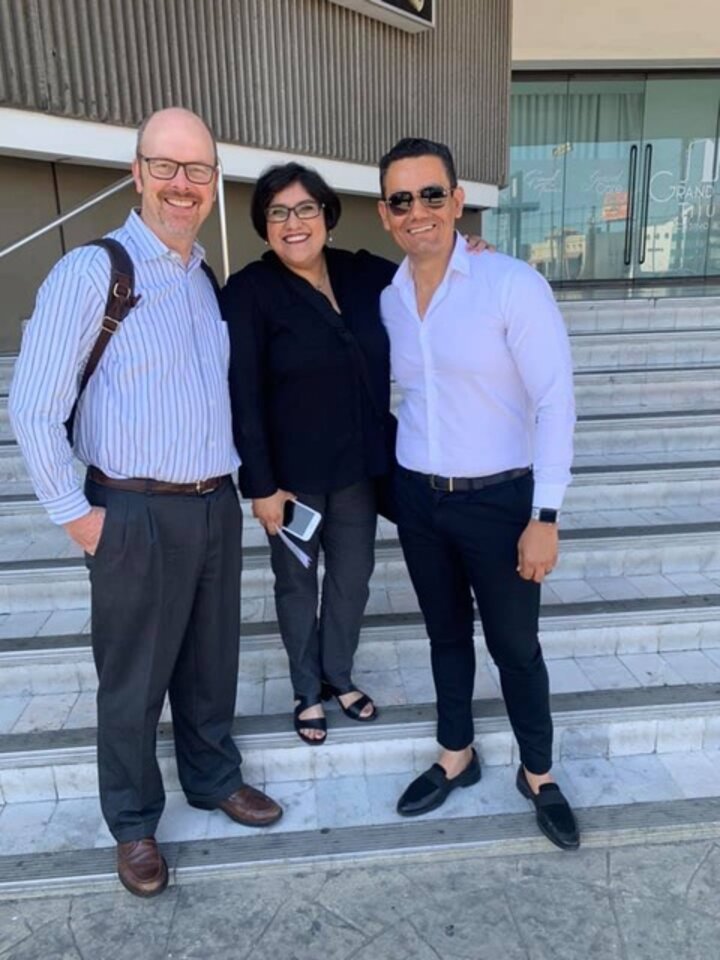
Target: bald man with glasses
point(158, 516)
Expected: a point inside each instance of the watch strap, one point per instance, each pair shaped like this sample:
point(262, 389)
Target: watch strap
point(545, 514)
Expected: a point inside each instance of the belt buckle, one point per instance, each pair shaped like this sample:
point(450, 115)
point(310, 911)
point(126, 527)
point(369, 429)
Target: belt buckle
point(435, 486)
point(200, 490)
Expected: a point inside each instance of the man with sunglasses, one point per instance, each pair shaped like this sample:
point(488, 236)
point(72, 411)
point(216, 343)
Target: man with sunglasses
point(484, 448)
point(158, 516)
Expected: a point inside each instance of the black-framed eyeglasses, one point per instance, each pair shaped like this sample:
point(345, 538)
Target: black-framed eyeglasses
point(162, 168)
point(433, 196)
point(305, 210)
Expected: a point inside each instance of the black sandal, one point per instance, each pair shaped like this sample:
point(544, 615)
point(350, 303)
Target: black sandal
point(354, 711)
point(308, 723)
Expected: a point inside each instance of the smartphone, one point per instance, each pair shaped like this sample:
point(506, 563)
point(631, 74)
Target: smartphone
point(299, 520)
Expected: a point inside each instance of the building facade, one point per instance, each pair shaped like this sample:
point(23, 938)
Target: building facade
point(614, 142)
point(318, 80)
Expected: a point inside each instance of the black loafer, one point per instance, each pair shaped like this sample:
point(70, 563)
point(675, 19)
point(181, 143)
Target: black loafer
point(430, 790)
point(554, 814)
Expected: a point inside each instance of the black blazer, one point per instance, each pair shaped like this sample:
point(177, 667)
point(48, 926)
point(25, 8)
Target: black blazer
point(303, 419)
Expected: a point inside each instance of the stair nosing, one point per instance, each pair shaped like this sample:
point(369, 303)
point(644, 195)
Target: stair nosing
point(397, 722)
point(257, 557)
point(650, 610)
point(508, 833)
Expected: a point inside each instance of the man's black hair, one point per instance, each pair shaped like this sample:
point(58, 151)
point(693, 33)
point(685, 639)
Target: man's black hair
point(418, 147)
point(277, 178)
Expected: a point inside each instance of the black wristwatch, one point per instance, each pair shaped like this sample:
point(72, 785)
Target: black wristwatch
point(545, 514)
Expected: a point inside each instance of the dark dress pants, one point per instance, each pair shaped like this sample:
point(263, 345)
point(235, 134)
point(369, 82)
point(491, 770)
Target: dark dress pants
point(165, 584)
point(456, 544)
point(321, 635)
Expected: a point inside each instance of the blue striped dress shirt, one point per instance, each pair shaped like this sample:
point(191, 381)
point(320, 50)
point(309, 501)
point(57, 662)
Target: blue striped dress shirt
point(158, 403)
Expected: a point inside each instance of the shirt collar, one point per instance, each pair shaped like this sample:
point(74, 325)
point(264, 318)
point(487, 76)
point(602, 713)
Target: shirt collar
point(148, 246)
point(459, 262)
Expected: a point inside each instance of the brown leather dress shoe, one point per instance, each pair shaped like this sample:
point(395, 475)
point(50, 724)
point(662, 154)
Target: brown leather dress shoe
point(141, 867)
point(251, 807)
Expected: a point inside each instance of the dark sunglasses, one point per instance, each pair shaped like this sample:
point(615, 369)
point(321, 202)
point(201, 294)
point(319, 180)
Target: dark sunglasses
point(401, 202)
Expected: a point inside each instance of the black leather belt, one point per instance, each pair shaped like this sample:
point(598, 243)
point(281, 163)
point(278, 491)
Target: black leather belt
point(143, 485)
point(463, 484)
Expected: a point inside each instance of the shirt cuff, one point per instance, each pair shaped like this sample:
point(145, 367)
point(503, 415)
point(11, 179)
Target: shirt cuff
point(549, 495)
point(69, 507)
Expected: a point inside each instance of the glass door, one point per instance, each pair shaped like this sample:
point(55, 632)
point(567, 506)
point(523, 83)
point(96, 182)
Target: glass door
point(604, 131)
point(613, 177)
point(530, 212)
point(676, 226)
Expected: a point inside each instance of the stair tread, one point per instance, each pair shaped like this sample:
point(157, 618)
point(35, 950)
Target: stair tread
point(49, 548)
point(266, 631)
point(63, 842)
point(407, 715)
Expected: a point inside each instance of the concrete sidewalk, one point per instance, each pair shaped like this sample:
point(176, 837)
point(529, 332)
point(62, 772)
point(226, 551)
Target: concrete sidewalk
point(657, 901)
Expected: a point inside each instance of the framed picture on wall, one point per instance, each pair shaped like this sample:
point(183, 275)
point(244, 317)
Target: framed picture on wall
point(411, 15)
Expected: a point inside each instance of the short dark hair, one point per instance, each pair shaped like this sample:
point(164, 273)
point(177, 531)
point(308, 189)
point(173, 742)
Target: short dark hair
point(418, 147)
point(283, 175)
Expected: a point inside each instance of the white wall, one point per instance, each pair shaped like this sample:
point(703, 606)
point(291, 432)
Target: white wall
point(653, 33)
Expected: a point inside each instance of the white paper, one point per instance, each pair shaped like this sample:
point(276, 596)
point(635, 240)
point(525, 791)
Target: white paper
point(304, 559)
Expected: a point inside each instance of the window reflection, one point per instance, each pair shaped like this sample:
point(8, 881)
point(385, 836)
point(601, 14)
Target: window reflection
point(612, 178)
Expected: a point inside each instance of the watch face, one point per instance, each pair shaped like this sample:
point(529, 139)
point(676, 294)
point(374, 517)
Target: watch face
point(547, 516)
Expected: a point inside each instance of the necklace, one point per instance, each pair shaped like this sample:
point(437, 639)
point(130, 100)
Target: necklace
point(323, 281)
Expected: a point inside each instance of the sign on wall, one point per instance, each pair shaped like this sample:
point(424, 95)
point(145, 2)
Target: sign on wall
point(411, 15)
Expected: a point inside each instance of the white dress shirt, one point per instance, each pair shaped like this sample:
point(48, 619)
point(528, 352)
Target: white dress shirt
point(157, 405)
point(486, 375)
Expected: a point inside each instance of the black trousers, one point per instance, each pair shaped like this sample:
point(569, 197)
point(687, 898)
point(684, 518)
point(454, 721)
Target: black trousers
point(321, 635)
point(165, 584)
point(456, 544)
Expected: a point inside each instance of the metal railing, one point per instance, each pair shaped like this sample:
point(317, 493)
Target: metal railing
point(108, 192)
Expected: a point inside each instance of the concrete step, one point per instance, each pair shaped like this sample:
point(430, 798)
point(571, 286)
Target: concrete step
point(618, 315)
point(647, 390)
point(645, 349)
point(630, 625)
point(51, 843)
point(356, 777)
point(630, 391)
point(50, 681)
point(615, 498)
point(46, 758)
point(600, 440)
point(637, 391)
point(598, 346)
point(34, 659)
point(630, 438)
point(619, 555)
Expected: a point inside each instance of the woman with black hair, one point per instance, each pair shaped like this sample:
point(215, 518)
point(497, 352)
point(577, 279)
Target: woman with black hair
point(310, 389)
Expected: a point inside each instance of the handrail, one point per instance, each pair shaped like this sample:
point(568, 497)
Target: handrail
point(116, 188)
point(95, 199)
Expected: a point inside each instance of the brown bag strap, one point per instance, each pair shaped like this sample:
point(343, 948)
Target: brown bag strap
point(119, 303)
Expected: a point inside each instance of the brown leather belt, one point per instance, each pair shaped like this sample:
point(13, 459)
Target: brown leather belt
point(463, 484)
point(143, 485)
